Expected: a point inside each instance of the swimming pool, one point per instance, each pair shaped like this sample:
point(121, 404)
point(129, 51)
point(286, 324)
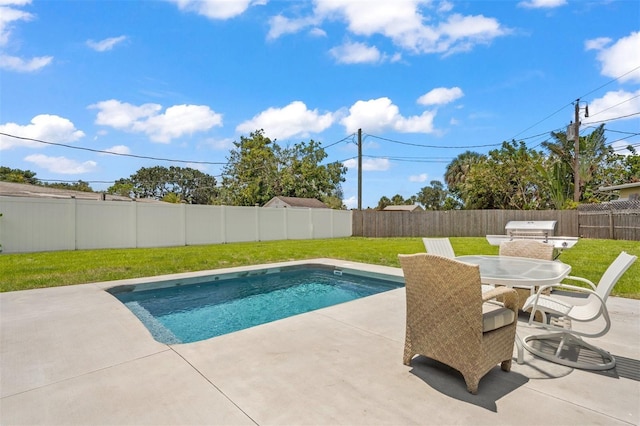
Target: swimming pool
point(186, 311)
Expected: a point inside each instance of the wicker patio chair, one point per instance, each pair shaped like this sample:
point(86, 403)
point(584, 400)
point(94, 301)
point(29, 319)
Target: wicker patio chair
point(448, 321)
point(527, 248)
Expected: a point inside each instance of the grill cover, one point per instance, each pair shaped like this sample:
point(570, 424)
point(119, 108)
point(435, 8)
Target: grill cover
point(543, 227)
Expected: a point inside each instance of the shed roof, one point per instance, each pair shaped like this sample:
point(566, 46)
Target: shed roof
point(623, 186)
point(404, 208)
point(12, 189)
point(311, 203)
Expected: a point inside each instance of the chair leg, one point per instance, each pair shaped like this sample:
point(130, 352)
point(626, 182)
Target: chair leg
point(506, 365)
point(565, 339)
point(406, 359)
point(472, 384)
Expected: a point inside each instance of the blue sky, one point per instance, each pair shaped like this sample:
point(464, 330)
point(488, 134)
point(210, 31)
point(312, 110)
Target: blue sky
point(424, 80)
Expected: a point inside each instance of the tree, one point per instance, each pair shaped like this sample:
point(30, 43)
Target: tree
point(383, 202)
point(302, 175)
point(458, 170)
point(18, 176)
point(258, 169)
point(433, 197)
point(593, 151)
point(249, 176)
point(75, 186)
point(189, 185)
point(507, 179)
point(616, 169)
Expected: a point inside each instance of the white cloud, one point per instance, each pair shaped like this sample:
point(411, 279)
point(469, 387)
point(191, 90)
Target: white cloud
point(620, 58)
point(224, 144)
point(118, 149)
point(613, 105)
point(440, 96)
point(292, 120)
point(106, 44)
point(445, 6)
point(356, 53)
point(416, 124)
point(14, 63)
point(216, 9)
point(351, 202)
point(381, 114)
point(61, 165)
point(542, 4)
point(403, 22)
point(9, 15)
point(468, 30)
point(369, 164)
point(175, 122)
point(317, 32)
point(597, 43)
point(418, 178)
point(48, 128)
point(621, 147)
point(280, 25)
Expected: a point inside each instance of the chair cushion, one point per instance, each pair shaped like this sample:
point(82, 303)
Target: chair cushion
point(495, 316)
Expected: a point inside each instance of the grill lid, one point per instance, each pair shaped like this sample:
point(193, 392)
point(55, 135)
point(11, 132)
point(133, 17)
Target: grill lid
point(531, 225)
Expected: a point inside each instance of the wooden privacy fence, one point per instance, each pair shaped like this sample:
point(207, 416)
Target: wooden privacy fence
point(619, 220)
point(455, 223)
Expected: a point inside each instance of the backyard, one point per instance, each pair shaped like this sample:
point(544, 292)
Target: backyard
point(589, 258)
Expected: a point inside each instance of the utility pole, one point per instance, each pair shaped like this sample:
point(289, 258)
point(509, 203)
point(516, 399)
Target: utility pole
point(359, 169)
point(576, 150)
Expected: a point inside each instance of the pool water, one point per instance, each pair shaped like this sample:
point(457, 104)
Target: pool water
point(194, 312)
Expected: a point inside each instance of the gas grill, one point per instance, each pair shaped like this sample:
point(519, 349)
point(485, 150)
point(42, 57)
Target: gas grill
point(542, 230)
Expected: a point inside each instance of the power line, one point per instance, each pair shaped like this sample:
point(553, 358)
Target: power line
point(615, 118)
point(583, 96)
point(611, 81)
point(433, 146)
point(108, 152)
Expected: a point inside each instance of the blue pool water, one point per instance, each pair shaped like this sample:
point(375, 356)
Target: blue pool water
point(193, 312)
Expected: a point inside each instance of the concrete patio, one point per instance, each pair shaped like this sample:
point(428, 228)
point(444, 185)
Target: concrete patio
point(76, 355)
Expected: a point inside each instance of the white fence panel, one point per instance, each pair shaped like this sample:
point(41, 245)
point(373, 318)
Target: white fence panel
point(342, 223)
point(35, 224)
point(45, 224)
point(204, 225)
point(160, 225)
point(272, 224)
point(241, 224)
point(299, 226)
point(322, 222)
point(106, 224)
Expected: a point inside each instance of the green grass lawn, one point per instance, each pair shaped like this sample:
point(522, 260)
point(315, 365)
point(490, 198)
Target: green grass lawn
point(588, 258)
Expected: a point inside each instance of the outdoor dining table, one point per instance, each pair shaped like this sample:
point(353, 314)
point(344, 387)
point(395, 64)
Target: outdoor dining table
point(521, 272)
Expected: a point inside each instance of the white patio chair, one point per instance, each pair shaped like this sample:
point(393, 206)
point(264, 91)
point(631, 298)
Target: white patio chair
point(564, 312)
point(439, 246)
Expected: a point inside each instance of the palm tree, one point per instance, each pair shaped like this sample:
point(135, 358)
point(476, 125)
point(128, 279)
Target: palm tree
point(458, 170)
point(593, 150)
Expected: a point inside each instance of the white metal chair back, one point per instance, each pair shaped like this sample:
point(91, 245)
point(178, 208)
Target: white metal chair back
point(594, 308)
point(439, 246)
point(613, 274)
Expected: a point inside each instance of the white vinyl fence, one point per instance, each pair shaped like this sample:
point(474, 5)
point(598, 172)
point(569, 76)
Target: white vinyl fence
point(44, 224)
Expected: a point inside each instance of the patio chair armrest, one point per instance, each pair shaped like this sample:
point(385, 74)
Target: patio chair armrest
point(580, 279)
point(510, 297)
point(561, 286)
